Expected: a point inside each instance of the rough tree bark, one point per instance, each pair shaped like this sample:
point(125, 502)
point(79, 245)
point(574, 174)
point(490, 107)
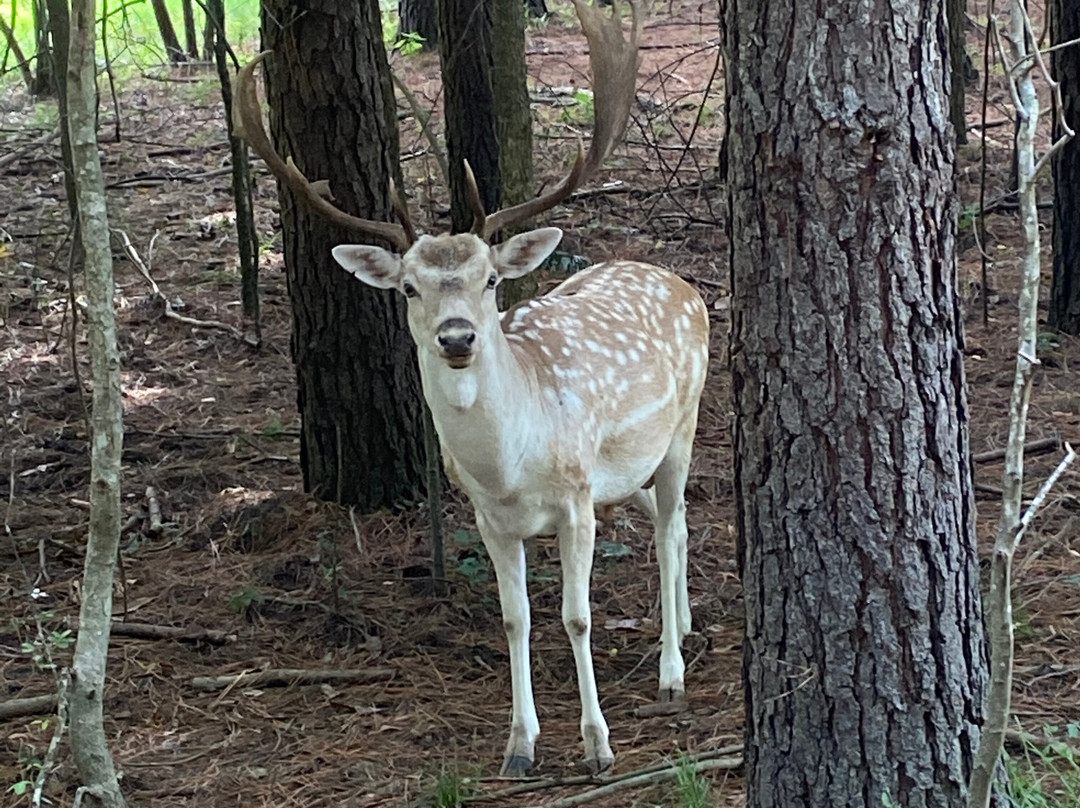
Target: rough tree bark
point(168, 33)
point(358, 388)
point(865, 657)
point(465, 54)
point(43, 74)
point(60, 34)
point(1065, 287)
point(419, 17)
point(191, 34)
point(88, 742)
point(513, 123)
point(957, 55)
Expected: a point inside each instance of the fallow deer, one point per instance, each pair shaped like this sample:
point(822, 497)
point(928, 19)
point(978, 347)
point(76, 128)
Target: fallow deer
point(584, 397)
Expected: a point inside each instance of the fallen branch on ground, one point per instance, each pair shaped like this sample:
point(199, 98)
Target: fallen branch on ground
point(542, 784)
point(283, 677)
point(132, 253)
point(32, 705)
point(645, 779)
point(149, 631)
point(1040, 446)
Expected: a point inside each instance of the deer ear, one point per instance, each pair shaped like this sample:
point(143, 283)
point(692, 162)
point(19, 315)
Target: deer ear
point(524, 252)
point(373, 265)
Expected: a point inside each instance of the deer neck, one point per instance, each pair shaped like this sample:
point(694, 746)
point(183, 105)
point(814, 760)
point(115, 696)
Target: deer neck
point(484, 414)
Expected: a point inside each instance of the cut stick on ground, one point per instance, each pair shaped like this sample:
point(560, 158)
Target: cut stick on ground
point(154, 508)
point(150, 631)
point(283, 677)
point(32, 705)
point(1035, 447)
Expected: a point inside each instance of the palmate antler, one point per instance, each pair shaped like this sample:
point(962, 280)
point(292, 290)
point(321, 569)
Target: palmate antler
point(614, 61)
point(248, 124)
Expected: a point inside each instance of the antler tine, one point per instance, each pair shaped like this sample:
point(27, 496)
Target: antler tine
point(614, 61)
point(248, 124)
point(479, 216)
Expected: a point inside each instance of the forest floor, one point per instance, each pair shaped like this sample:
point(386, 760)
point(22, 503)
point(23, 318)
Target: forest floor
point(295, 583)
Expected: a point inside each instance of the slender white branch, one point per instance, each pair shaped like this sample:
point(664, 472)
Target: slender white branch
point(1044, 491)
point(1011, 525)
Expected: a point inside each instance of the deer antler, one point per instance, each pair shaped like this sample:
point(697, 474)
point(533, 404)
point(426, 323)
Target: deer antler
point(614, 62)
point(248, 124)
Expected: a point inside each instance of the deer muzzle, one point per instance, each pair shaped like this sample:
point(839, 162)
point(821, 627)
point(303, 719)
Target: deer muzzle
point(456, 338)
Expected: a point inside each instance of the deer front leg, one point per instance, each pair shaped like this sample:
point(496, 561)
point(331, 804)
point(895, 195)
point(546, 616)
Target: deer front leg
point(508, 559)
point(576, 539)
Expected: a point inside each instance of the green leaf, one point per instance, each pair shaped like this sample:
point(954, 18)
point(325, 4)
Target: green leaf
point(613, 549)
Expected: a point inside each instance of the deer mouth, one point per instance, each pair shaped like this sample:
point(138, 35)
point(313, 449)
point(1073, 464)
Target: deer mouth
point(458, 361)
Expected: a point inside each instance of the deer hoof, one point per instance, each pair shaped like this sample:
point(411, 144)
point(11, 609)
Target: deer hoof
point(597, 765)
point(515, 766)
point(675, 696)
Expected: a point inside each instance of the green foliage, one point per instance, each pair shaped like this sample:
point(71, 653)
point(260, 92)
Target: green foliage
point(134, 42)
point(614, 549)
point(473, 563)
point(20, 787)
point(1047, 775)
point(245, 601)
point(450, 790)
point(581, 110)
point(408, 44)
point(693, 789)
point(1047, 341)
point(274, 427)
point(41, 649)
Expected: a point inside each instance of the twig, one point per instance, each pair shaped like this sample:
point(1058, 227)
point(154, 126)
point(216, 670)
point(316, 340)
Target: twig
point(1044, 491)
point(151, 631)
point(49, 762)
point(541, 784)
point(424, 119)
point(1040, 446)
point(670, 773)
point(283, 677)
point(130, 251)
point(13, 155)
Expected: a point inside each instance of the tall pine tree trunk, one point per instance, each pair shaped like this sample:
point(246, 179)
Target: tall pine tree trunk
point(168, 33)
point(332, 109)
point(955, 12)
point(1065, 288)
point(513, 122)
point(465, 54)
point(864, 659)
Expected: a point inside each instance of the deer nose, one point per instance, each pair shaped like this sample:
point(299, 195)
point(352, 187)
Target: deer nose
point(456, 337)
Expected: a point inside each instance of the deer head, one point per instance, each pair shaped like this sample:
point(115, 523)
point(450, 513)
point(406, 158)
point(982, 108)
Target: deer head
point(450, 283)
point(449, 280)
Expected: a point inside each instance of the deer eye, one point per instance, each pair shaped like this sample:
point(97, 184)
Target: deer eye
point(492, 280)
point(410, 290)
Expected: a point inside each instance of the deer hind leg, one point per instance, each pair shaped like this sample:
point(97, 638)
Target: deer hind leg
point(671, 555)
point(577, 536)
point(508, 559)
